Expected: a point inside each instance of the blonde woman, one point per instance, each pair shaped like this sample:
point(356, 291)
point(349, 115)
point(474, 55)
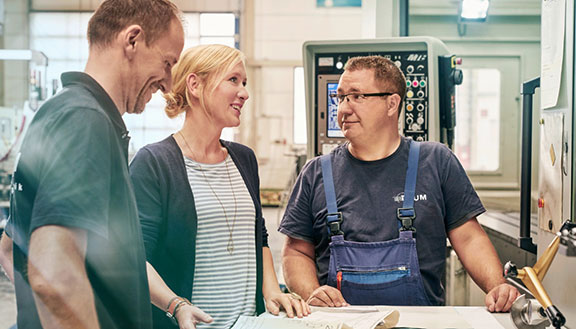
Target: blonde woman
point(199, 205)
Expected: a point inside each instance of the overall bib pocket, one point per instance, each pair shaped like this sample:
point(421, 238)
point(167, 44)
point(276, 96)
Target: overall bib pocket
point(375, 276)
point(397, 292)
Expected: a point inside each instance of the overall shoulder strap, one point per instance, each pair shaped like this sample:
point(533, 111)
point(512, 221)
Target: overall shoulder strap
point(406, 214)
point(333, 217)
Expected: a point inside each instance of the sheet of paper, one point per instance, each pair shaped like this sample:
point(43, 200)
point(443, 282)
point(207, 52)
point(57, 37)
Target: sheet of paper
point(347, 309)
point(250, 322)
point(352, 317)
point(356, 317)
point(552, 36)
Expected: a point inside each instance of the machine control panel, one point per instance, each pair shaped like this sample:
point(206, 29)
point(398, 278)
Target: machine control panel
point(414, 117)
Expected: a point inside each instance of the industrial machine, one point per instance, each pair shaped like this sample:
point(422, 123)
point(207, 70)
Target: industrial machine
point(551, 280)
point(431, 76)
point(534, 309)
point(15, 119)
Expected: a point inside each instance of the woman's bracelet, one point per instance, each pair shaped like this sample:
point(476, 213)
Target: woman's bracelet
point(184, 301)
point(173, 307)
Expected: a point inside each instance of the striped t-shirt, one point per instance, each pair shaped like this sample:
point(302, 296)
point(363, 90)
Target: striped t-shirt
point(224, 282)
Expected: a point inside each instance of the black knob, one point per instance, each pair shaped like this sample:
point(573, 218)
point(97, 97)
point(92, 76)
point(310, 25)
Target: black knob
point(457, 76)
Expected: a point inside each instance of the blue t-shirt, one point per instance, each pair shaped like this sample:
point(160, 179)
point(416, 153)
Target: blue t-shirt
point(368, 194)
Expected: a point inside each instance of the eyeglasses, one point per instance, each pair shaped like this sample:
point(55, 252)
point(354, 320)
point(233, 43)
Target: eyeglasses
point(355, 97)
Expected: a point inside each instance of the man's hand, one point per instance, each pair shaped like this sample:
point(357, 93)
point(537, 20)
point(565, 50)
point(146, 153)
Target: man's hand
point(327, 296)
point(501, 297)
point(291, 303)
point(189, 315)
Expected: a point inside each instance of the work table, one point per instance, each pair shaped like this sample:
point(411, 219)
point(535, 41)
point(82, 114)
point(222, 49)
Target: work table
point(457, 317)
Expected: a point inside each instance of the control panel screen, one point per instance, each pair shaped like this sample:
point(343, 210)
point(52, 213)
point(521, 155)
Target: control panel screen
point(333, 130)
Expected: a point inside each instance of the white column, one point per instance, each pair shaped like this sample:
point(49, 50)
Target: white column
point(380, 18)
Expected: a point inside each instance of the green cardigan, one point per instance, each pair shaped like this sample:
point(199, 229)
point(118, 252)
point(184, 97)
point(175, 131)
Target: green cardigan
point(164, 197)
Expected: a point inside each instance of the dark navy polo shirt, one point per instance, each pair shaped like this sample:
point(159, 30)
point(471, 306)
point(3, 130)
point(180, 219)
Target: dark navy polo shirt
point(73, 172)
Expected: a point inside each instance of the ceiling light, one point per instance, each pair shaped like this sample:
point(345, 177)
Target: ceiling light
point(473, 10)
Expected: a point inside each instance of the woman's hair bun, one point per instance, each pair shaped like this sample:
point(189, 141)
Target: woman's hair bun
point(174, 104)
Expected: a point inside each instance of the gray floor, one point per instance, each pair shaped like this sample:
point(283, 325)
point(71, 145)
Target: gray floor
point(275, 239)
point(7, 302)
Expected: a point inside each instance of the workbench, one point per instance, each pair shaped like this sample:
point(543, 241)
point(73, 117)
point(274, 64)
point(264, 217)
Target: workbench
point(456, 317)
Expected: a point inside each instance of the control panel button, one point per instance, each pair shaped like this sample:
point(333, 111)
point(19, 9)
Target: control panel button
point(327, 148)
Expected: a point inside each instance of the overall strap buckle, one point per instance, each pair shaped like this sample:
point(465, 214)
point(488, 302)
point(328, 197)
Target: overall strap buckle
point(406, 216)
point(334, 217)
point(334, 221)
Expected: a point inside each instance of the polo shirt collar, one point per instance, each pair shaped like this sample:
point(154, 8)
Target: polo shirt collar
point(84, 80)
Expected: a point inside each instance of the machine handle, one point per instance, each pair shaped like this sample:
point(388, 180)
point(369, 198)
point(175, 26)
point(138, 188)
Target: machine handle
point(532, 276)
point(557, 318)
point(525, 241)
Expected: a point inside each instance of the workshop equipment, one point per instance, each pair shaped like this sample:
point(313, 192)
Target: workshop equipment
point(528, 313)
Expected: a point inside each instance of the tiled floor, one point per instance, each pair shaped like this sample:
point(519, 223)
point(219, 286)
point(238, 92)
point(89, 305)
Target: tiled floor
point(275, 239)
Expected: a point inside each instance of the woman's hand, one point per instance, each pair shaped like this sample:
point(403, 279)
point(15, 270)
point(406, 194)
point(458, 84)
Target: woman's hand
point(189, 315)
point(291, 303)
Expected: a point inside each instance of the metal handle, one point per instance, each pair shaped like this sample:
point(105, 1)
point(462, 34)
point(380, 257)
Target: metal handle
point(532, 278)
point(525, 241)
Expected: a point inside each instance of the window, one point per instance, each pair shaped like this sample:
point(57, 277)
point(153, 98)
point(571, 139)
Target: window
point(64, 42)
point(217, 28)
point(478, 120)
point(66, 47)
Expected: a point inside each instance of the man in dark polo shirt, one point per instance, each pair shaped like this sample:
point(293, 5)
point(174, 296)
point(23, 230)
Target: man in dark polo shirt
point(74, 247)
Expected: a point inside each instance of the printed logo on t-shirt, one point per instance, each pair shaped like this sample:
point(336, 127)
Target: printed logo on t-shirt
point(15, 187)
point(399, 198)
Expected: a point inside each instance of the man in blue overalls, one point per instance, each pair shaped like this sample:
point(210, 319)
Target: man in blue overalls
point(367, 224)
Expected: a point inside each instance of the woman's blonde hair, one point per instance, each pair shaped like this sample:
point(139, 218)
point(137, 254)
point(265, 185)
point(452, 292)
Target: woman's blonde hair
point(209, 63)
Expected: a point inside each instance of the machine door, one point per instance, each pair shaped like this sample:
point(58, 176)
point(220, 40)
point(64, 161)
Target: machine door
point(488, 123)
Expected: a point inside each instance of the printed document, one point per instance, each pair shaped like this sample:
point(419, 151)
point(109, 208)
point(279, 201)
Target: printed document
point(351, 317)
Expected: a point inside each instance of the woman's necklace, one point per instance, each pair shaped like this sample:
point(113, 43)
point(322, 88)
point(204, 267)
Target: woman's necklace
point(230, 246)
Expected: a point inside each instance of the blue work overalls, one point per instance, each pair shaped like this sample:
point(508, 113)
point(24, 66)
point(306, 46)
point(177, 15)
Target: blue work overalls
point(376, 273)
